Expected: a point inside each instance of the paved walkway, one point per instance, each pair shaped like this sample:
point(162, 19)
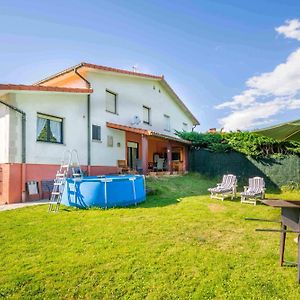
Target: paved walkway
point(20, 205)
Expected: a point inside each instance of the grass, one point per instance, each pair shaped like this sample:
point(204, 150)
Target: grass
point(179, 244)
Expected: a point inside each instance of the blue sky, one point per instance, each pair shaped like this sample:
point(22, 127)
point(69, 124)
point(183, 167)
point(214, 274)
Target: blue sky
point(206, 49)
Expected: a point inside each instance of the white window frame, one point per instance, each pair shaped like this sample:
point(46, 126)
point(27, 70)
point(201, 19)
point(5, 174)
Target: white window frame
point(48, 119)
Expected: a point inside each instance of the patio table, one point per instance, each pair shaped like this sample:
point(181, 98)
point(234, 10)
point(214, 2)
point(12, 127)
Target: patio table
point(290, 217)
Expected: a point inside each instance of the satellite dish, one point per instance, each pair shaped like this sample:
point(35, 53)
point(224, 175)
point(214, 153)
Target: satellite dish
point(135, 120)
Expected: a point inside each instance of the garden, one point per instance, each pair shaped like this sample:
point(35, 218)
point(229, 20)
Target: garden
point(179, 244)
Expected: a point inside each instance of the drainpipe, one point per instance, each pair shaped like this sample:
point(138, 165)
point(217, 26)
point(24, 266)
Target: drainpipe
point(88, 121)
point(23, 141)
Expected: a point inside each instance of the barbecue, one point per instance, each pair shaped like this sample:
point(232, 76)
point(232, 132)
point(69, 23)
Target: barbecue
point(290, 222)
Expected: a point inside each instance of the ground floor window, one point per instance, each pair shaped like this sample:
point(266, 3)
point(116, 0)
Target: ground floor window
point(49, 129)
point(132, 154)
point(96, 133)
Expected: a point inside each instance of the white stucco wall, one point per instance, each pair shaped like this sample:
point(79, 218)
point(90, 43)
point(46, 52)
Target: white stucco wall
point(71, 107)
point(4, 133)
point(132, 94)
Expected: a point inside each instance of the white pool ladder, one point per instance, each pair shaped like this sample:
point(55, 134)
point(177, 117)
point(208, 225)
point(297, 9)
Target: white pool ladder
point(69, 167)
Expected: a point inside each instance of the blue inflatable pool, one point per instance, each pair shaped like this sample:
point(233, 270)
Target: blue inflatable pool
point(104, 191)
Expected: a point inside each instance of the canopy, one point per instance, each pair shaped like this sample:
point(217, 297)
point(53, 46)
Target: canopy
point(289, 131)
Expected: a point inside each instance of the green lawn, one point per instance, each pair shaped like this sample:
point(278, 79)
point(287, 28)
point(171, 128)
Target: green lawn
point(179, 244)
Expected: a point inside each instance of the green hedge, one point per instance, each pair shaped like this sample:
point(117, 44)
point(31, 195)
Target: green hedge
point(248, 143)
point(277, 171)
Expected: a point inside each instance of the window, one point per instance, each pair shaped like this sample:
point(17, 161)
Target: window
point(176, 156)
point(49, 129)
point(184, 126)
point(167, 123)
point(111, 102)
point(146, 114)
point(96, 133)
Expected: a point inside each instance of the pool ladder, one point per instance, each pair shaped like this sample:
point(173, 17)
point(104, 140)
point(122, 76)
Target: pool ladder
point(69, 167)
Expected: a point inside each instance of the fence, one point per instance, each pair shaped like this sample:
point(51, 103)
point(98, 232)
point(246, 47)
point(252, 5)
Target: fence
point(276, 171)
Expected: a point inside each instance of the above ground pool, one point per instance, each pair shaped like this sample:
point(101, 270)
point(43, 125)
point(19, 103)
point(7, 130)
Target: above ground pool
point(104, 191)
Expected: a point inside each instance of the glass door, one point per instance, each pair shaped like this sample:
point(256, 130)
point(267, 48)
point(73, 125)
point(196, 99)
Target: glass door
point(132, 154)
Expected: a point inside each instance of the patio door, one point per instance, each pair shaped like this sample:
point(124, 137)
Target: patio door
point(132, 154)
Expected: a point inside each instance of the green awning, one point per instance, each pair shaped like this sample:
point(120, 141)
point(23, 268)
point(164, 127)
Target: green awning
point(289, 131)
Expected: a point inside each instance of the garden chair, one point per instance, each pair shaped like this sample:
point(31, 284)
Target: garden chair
point(160, 164)
point(255, 190)
point(122, 165)
point(225, 189)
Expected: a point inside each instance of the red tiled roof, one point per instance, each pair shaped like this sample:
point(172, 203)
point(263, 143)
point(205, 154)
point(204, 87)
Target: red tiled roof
point(23, 87)
point(97, 67)
point(145, 132)
point(115, 70)
point(128, 128)
point(120, 71)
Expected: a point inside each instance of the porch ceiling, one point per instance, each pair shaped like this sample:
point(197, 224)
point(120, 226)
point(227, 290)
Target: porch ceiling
point(146, 132)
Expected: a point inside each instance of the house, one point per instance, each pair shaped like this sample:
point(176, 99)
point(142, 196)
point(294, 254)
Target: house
point(107, 114)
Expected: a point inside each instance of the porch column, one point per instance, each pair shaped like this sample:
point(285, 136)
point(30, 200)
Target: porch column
point(169, 156)
point(145, 154)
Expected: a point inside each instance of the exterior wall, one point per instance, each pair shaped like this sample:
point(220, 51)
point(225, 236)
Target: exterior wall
point(11, 183)
point(67, 80)
point(132, 94)
point(73, 110)
point(4, 133)
point(101, 154)
point(43, 159)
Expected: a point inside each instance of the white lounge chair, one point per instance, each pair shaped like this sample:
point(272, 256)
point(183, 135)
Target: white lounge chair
point(225, 189)
point(160, 164)
point(255, 190)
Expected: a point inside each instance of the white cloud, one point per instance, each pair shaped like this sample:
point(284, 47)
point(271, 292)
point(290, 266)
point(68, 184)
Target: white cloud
point(283, 80)
point(269, 93)
point(291, 29)
point(252, 116)
point(239, 101)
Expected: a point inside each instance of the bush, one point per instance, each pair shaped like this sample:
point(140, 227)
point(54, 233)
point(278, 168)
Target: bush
point(248, 143)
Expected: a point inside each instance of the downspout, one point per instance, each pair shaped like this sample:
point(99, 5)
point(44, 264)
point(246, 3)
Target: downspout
point(88, 120)
point(23, 142)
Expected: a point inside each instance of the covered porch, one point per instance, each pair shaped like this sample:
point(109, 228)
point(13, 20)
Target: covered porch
point(152, 153)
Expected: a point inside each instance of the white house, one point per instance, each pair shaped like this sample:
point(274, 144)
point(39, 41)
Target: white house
point(107, 114)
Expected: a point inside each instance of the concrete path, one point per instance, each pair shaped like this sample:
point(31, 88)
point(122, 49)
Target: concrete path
point(21, 205)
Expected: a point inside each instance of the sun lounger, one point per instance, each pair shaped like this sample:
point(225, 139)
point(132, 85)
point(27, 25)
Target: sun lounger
point(255, 190)
point(225, 189)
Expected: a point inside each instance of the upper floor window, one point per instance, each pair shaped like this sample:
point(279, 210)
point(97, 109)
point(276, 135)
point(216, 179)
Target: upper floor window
point(146, 114)
point(49, 129)
point(167, 123)
point(184, 126)
point(96, 133)
point(111, 102)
